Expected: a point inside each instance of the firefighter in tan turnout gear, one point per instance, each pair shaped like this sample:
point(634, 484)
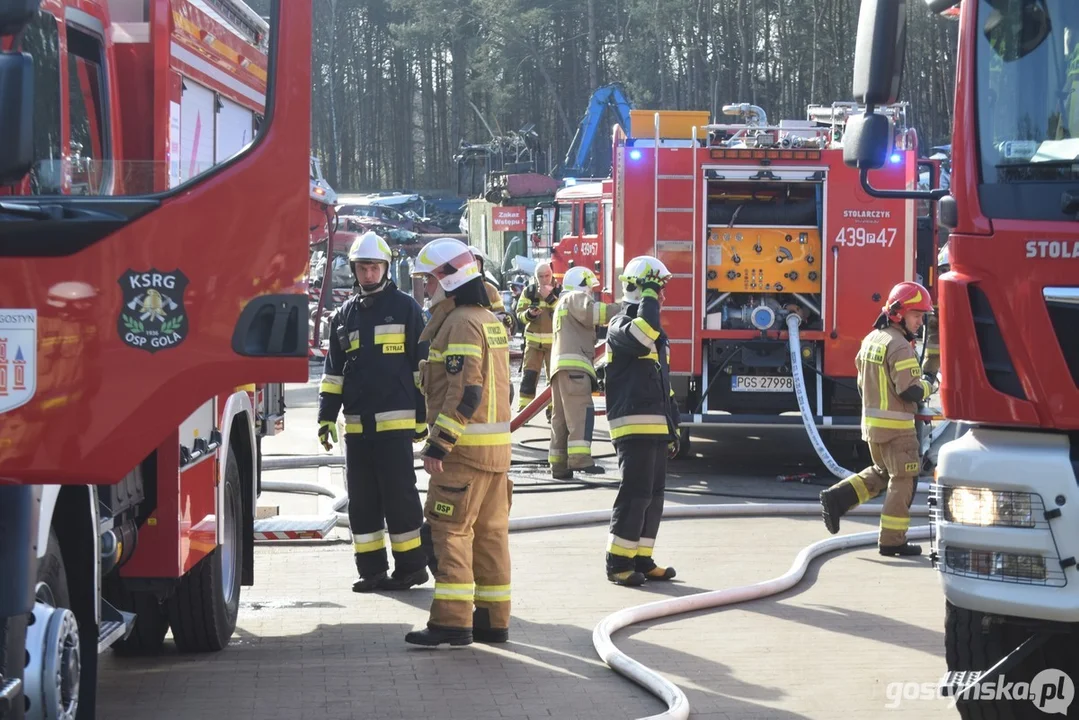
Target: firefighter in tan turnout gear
point(466, 383)
point(573, 375)
point(535, 310)
point(891, 383)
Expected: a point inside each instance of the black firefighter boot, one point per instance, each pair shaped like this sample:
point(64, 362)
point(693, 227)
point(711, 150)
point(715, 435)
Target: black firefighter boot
point(620, 571)
point(369, 583)
point(647, 567)
point(835, 502)
point(904, 550)
point(435, 635)
point(483, 632)
point(405, 580)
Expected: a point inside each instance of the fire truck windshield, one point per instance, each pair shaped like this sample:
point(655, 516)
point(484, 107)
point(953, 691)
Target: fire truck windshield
point(88, 91)
point(1028, 106)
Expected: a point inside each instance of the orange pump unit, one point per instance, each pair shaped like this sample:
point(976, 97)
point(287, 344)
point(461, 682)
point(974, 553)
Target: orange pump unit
point(764, 260)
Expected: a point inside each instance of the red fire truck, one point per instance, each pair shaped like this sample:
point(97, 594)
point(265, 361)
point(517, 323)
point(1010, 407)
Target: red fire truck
point(153, 245)
point(757, 222)
point(583, 228)
point(1006, 536)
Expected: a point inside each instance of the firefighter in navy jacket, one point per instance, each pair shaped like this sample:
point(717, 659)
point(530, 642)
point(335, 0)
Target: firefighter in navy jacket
point(643, 418)
point(372, 374)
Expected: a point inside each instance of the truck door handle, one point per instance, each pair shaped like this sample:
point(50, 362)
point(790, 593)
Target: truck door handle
point(272, 326)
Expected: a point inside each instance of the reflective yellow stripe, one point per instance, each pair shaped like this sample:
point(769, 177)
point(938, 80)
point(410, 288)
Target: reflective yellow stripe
point(654, 356)
point(434, 356)
point(389, 334)
point(638, 430)
point(454, 591)
point(644, 551)
point(332, 384)
point(647, 329)
point(485, 440)
point(450, 424)
point(585, 450)
point(891, 522)
point(391, 425)
point(621, 547)
point(492, 593)
point(492, 387)
point(353, 424)
point(888, 424)
point(860, 488)
point(907, 364)
point(369, 542)
point(571, 363)
point(403, 542)
point(464, 349)
point(883, 382)
point(927, 389)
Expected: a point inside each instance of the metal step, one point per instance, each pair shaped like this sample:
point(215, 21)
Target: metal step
point(295, 527)
point(115, 625)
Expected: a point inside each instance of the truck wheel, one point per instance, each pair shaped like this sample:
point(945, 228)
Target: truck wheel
point(976, 641)
point(53, 650)
point(204, 608)
point(151, 619)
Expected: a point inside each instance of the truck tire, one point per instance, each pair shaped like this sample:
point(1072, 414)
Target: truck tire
point(151, 619)
point(976, 641)
point(55, 657)
point(204, 608)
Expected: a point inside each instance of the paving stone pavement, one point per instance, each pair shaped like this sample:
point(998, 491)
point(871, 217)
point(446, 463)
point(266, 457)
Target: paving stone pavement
point(306, 647)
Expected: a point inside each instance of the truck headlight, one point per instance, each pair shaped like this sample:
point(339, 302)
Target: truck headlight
point(978, 506)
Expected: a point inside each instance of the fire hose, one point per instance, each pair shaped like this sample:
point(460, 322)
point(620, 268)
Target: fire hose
point(651, 680)
point(677, 703)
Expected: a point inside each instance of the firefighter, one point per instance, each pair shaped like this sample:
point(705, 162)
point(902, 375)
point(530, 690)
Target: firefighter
point(498, 307)
point(891, 384)
point(467, 453)
point(535, 310)
point(573, 375)
point(371, 373)
point(643, 419)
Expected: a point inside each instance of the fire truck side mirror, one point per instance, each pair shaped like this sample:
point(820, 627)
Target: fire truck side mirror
point(878, 53)
point(16, 116)
point(868, 141)
point(16, 14)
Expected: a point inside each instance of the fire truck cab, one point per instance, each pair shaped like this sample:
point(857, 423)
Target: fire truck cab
point(149, 310)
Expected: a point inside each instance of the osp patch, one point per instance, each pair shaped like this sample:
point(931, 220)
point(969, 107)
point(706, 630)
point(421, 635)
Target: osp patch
point(455, 364)
point(152, 316)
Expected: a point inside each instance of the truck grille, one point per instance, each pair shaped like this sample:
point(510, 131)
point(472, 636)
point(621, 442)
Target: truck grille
point(1065, 318)
point(995, 358)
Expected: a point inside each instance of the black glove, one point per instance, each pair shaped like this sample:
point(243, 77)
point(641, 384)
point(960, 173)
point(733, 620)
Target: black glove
point(673, 446)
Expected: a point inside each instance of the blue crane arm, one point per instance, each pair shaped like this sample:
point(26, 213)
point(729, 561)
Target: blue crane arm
point(602, 98)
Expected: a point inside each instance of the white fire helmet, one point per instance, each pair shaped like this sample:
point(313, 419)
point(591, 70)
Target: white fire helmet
point(449, 261)
point(639, 269)
point(579, 277)
point(369, 247)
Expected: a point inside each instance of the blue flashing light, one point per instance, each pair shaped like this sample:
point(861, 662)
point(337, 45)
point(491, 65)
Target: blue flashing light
point(896, 158)
point(634, 154)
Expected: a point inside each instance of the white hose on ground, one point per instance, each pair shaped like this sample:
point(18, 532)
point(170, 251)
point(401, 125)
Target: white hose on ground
point(676, 700)
point(795, 343)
